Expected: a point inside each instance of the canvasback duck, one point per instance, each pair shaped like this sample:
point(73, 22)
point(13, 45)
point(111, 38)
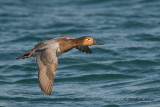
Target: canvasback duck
point(46, 53)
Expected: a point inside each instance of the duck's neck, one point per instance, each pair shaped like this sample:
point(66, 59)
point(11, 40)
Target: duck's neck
point(65, 46)
point(77, 42)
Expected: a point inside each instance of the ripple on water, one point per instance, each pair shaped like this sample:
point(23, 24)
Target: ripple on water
point(144, 37)
point(86, 66)
point(94, 77)
point(140, 63)
point(27, 81)
point(136, 24)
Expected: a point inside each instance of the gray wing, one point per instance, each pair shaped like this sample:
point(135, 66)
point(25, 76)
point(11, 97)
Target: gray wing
point(46, 61)
point(67, 37)
point(81, 48)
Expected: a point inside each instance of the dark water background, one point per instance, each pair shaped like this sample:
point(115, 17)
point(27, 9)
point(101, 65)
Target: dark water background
point(125, 69)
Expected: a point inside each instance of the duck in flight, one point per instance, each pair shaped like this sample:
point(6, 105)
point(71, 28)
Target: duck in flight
point(46, 53)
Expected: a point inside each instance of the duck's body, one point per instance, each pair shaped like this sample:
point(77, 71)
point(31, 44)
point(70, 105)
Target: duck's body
point(46, 53)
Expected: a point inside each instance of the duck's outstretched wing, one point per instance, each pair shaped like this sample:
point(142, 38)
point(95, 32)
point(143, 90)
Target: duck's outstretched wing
point(81, 48)
point(46, 61)
point(84, 49)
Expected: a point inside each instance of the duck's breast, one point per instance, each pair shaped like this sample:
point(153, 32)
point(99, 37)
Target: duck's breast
point(64, 46)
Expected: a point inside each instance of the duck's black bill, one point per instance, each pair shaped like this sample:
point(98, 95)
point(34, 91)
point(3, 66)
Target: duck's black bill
point(97, 43)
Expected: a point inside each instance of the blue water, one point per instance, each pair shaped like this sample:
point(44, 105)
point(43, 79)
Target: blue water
point(124, 72)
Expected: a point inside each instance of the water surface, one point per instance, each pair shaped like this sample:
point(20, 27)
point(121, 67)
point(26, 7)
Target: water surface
point(124, 69)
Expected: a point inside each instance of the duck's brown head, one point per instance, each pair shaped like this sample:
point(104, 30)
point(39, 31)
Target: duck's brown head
point(87, 40)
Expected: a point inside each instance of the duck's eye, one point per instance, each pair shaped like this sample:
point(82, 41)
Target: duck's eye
point(88, 39)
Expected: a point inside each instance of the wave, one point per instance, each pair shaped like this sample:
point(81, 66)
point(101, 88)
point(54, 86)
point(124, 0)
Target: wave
point(94, 77)
point(144, 37)
point(135, 63)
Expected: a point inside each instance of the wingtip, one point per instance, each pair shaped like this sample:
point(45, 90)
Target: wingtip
point(89, 51)
point(17, 58)
point(46, 94)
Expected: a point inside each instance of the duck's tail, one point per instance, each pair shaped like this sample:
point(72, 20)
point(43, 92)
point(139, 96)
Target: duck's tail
point(27, 55)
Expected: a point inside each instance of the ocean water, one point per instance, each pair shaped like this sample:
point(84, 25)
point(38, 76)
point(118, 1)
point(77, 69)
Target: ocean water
point(124, 72)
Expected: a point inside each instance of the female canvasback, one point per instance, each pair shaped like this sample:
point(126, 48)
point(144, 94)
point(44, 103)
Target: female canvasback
point(46, 53)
